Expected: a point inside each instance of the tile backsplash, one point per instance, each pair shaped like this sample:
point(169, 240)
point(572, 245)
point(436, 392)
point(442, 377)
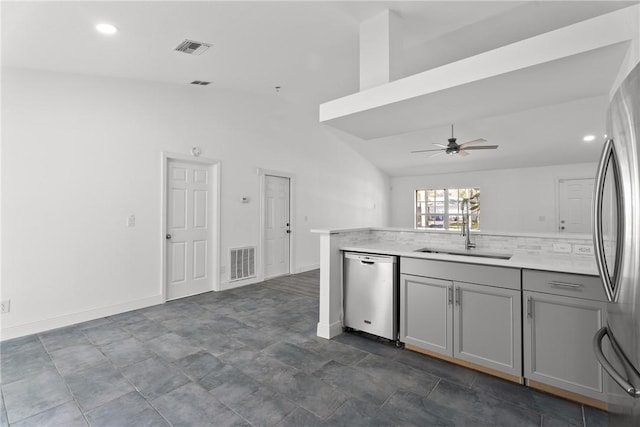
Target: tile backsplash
point(500, 243)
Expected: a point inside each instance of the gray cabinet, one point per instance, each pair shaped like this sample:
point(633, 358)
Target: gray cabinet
point(476, 324)
point(487, 327)
point(426, 310)
point(562, 314)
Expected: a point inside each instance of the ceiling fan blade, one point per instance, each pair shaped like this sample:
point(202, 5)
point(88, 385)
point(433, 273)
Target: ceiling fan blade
point(425, 151)
point(482, 147)
point(475, 141)
point(441, 146)
point(438, 154)
point(463, 153)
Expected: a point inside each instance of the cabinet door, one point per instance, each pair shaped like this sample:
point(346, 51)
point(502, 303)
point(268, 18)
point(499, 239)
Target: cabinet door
point(488, 327)
point(558, 334)
point(426, 313)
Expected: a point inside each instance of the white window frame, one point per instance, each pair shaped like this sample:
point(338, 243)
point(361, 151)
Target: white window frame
point(446, 215)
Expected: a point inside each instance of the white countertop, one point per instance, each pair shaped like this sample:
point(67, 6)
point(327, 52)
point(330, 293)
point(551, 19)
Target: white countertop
point(561, 236)
point(564, 263)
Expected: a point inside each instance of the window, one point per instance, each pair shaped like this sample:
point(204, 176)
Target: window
point(443, 208)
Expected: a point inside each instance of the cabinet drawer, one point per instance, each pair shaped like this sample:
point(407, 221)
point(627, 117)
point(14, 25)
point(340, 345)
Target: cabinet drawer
point(573, 285)
point(503, 277)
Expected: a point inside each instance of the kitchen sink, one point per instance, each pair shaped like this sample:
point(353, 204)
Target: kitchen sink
point(464, 253)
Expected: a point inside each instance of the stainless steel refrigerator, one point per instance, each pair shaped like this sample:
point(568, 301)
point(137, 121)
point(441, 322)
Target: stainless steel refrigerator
point(617, 247)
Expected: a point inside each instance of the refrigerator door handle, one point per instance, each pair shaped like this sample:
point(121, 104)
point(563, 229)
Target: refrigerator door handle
point(598, 241)
point(619, 379)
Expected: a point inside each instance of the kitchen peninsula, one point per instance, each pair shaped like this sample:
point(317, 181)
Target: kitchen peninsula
point(502, 287)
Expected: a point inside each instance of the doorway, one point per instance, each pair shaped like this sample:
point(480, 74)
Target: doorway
point(575, 200)
point(276, 225)
point(191, 215)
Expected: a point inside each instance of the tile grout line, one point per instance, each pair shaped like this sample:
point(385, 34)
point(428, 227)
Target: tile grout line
point(389, 398)
point(119, 369)
point(434, 388)
point(162, 358)
point(66, 384)
point(333, 413)
point(145, 345)
point(473, 382)
point(108, 359)
point(3, 405)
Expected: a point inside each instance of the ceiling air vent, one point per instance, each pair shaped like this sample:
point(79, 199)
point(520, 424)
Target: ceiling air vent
point(192, 47)
point(200, 83)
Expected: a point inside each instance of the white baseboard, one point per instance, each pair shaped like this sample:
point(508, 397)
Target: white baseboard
point(72, 319)
point(225, 286)
point(306, 268)
point(329, 331)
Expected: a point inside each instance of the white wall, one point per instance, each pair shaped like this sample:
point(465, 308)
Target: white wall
point(513, 200)
point(632, 58)
point(79, 154)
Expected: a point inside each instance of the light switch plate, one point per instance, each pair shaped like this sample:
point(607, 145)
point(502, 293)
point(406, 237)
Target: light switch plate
point(564, 248)
point(5, 306)
point(131, 221)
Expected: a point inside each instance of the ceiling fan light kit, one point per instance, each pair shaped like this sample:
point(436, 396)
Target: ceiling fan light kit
point(454, 148)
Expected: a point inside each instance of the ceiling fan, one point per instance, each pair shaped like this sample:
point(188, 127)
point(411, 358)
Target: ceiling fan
point(455, 148)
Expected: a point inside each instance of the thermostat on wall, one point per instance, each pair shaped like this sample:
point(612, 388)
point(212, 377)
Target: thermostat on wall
point(245, 199)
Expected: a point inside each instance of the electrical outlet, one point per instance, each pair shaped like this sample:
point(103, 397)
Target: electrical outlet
point(583, 249)
point(131, 221)
point(5, 306)
point(563, 248)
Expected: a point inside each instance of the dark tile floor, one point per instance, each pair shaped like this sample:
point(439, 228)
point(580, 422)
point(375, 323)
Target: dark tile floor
point(249, 356)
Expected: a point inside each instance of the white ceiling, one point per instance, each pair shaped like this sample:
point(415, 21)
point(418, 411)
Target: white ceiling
point(311, 50)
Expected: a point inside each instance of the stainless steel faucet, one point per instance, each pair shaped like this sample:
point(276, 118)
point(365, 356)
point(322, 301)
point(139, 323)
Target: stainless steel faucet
point(466, 227)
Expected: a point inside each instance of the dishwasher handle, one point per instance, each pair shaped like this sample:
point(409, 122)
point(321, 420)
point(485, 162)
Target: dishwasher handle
point(370, 259)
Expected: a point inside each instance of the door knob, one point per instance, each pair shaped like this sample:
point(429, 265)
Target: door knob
point(288, 231)
point(562, 228)
point(168, 236)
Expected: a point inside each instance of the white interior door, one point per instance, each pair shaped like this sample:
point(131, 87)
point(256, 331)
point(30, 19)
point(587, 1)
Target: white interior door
point(188, 239)
point(277, 226)
point(574, 205)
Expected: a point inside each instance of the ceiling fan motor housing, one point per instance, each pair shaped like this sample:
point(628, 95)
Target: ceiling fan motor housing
point(453, 148)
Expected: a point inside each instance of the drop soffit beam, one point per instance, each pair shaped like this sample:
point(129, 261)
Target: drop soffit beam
point(478, 86)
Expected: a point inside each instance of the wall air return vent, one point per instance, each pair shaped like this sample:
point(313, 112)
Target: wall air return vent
point(200, 83)
point(242, 263)
point(192, 47)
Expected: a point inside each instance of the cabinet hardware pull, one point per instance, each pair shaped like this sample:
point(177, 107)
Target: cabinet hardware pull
point(565, 285)
point(597, 347)
point(457, 296)
point(529, 308)
point(450, 293)
point(608, 155)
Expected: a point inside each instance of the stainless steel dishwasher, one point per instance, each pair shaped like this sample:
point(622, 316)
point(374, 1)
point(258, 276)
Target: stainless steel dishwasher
point(371, 294)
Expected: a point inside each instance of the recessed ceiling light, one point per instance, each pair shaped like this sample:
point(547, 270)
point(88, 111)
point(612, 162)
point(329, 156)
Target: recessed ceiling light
point(106, 28)
point(589, 138)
